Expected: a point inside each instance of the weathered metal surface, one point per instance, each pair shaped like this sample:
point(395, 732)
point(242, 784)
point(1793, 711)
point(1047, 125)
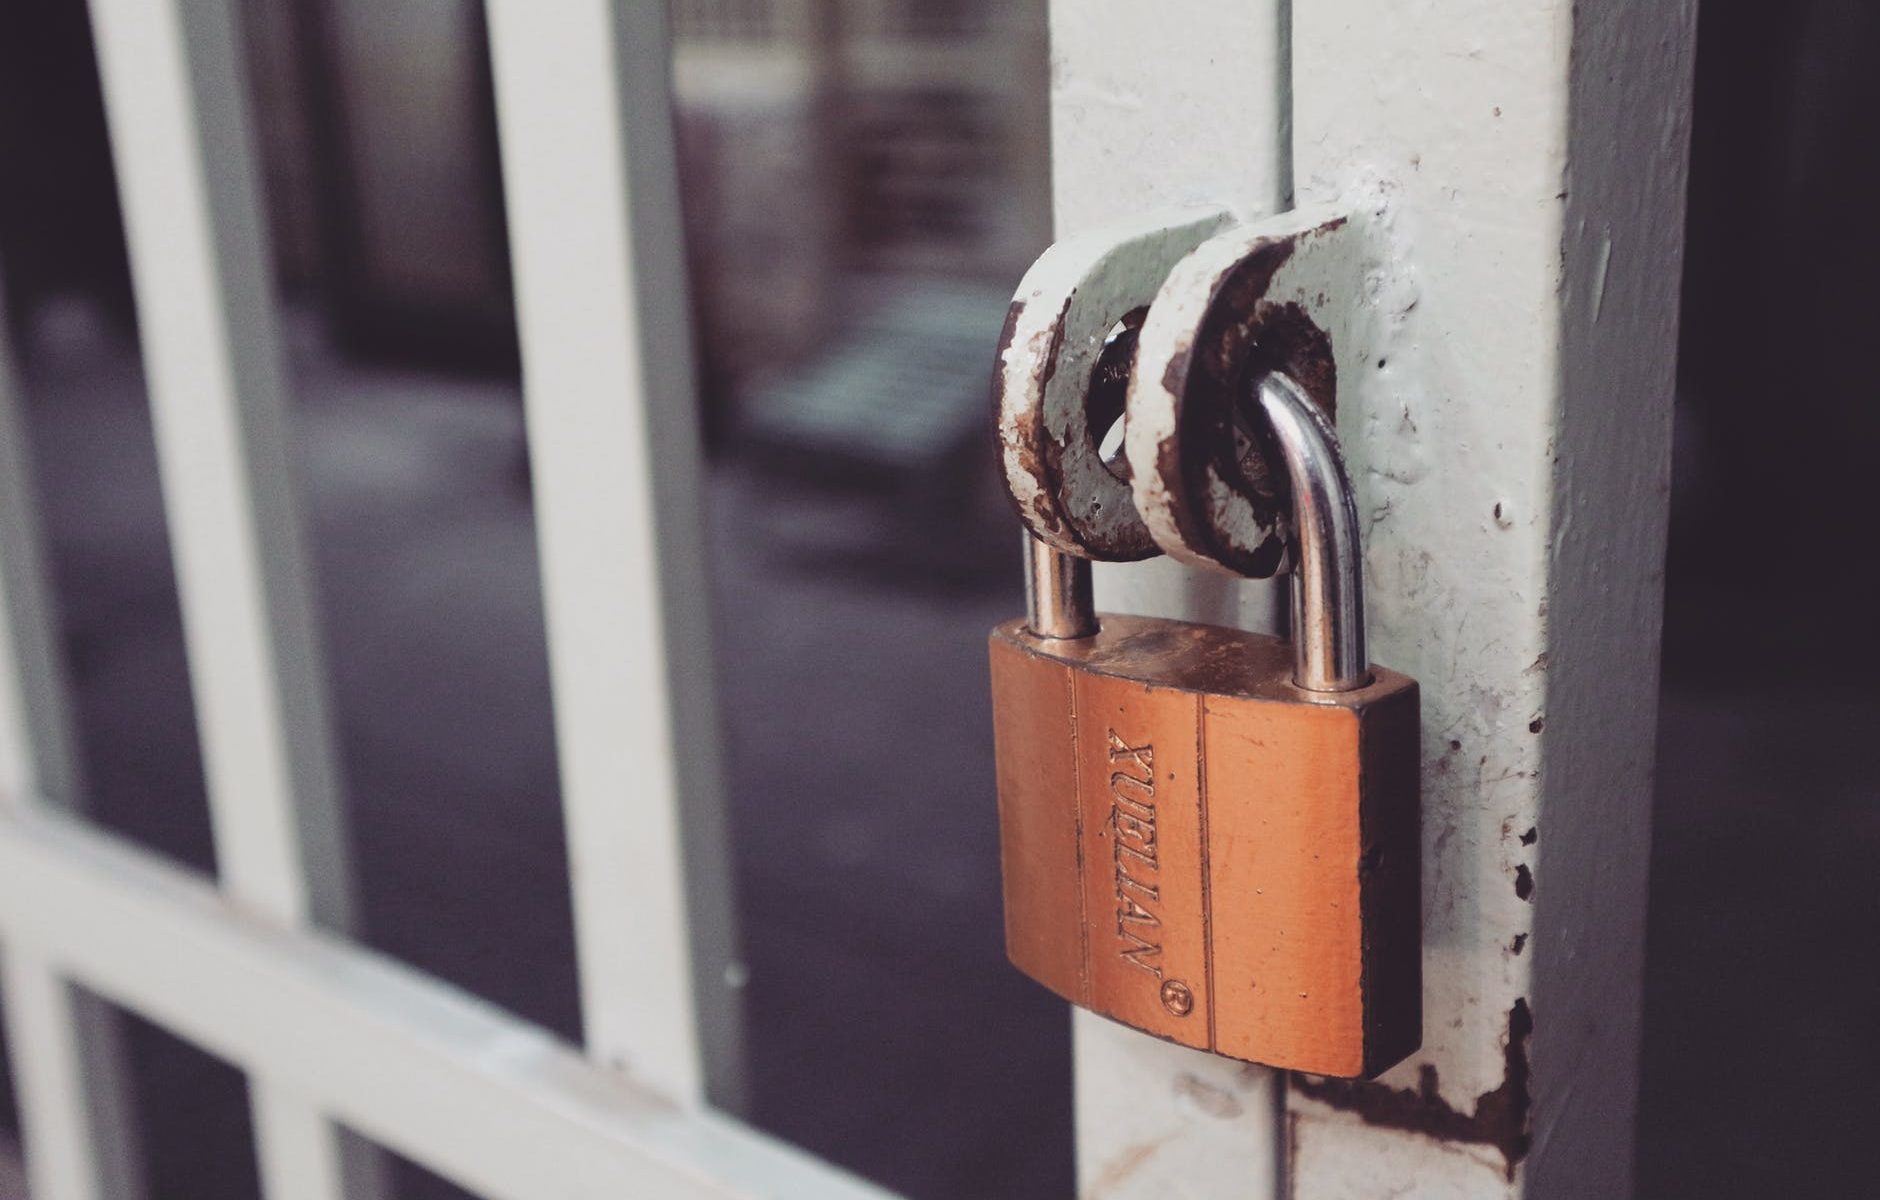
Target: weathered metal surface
point(1063, 314)
point(1276, 296)
point(1197, 848)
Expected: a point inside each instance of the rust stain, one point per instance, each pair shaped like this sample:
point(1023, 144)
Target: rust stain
point(1292, 1155)
point(1026, 440)
point(1109, 385)
point(1123, 1166)
point(1242, 336)
point(1500, 1117)
point(1034, 450)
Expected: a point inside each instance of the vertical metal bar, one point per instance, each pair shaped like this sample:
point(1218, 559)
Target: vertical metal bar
point(38, 743)
point(1519, 167)
point(1189, 107)
point(70, 1066)
point(186, 164)
point(591, 183)
point(76, 1116)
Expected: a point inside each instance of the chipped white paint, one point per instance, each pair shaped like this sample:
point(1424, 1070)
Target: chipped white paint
point(1061, 315)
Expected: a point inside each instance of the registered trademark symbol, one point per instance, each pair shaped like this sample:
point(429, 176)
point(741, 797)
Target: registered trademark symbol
point(1177, 998)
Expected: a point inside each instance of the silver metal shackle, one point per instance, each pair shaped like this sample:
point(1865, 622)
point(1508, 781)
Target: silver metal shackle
point(1328, 578)
point(1058, 598)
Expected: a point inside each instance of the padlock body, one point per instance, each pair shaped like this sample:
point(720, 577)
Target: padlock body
point(1193, 846)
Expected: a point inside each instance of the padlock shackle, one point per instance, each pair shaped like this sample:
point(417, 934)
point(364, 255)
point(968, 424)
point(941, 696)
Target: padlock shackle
point(1058, 597)
point(1328, 578)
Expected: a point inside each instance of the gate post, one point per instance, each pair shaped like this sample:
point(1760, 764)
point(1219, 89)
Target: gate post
point(1517, 170)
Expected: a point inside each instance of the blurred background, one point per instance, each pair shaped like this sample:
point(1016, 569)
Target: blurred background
point(864, 181)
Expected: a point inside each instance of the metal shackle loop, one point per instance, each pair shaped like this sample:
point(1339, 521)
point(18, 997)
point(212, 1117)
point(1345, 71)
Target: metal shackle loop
point(1058, 596)
point(1328, 576)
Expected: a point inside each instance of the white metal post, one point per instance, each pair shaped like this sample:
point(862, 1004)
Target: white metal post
point(591, 180)
point(1518, 172)
point(1186, 107)
point(1520, 168)
point(70, 1065)
point(187, 170)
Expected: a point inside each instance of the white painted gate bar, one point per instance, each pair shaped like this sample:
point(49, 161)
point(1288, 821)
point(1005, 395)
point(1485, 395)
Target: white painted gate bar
point(483, 1098)
point(1187, 107)
point(67, 1048)
point(591, 182)
point(186, 166)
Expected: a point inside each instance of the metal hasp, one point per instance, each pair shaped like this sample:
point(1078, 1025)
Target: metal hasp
point(1328, 580)
point(1074, 506)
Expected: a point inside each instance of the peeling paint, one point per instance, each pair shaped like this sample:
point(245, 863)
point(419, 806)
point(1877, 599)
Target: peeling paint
point(1500, 1118)
point(1126, 1163)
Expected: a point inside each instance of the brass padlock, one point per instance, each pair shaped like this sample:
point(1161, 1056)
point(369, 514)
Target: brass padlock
point(1213, 835)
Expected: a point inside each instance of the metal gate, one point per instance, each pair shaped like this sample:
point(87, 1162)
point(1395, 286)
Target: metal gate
point(1523, 160)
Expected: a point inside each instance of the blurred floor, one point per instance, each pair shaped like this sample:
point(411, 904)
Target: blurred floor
point(886, 1030)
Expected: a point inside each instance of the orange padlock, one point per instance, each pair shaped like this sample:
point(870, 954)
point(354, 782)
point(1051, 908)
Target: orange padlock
point(1213, 835)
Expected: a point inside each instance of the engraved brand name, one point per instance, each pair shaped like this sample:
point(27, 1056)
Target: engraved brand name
point(1133, 854)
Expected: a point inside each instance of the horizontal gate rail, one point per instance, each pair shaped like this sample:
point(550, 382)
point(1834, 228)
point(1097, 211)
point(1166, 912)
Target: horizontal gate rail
point(485, 1099)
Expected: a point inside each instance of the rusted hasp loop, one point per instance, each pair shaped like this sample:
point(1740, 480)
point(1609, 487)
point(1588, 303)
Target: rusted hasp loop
point(1280, 296)
point(1050, 457)
point(1212, 308)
